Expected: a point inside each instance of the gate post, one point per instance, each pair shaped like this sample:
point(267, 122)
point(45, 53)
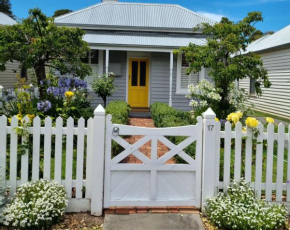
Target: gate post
point(209, 153)
point(97, 164)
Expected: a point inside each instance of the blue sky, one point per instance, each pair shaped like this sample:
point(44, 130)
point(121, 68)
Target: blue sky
point(275, 12)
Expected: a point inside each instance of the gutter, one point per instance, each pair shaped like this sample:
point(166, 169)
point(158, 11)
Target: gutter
point(131, 28)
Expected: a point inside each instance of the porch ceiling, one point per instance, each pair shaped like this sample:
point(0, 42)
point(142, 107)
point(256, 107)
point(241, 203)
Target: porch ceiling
point(141, 39)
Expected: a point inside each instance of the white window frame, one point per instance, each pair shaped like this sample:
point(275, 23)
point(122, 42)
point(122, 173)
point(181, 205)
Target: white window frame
point(179, 90)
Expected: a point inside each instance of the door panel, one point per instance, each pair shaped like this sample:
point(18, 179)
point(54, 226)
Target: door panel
point(138, 82)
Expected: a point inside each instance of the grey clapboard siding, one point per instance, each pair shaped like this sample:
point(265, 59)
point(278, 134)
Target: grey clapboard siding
point(160, 76)
point(276, 99)
point(8, 77)
point(120, 81)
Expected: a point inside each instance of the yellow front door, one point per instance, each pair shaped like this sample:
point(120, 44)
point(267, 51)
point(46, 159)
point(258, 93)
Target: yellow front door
point(138, 82)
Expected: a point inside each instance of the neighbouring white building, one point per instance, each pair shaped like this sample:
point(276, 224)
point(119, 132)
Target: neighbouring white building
point(275, 52)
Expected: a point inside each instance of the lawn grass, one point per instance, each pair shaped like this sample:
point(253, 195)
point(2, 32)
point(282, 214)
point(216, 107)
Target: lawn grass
point(256, 113)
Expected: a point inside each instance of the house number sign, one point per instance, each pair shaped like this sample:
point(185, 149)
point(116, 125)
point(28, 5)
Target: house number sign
point(210, 127)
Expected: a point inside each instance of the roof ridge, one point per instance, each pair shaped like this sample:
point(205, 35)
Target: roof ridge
point(196, 14)
point(81, 10)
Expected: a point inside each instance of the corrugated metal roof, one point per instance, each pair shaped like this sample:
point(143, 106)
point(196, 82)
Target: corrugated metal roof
point(280, 38)
point(135, 15)
point(6, 20)
point(141, 39)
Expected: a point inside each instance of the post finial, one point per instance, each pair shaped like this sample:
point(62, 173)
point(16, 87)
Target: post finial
point(209, 114)
point(100, 111)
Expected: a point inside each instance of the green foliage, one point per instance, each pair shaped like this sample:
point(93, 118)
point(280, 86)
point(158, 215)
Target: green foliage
point(37, 205)
point(239, 209)
point(55, 92)
point(223, 55)
point(165, 116)
point(5, 7)
point(120, 115)
point(104, 86)
point(37, 43)
point(119, 111)
point(58, 13)
point(3, 196)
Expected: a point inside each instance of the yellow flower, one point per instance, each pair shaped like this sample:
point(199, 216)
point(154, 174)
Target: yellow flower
point(216, 119)
point(229, 117)
point(240, 114)
point(69, 94)
point(252, 122)
point(19, 117)
point(270, 120)
point(244, 129)
point(9, 119)
point(235, 118)
point(30, 116)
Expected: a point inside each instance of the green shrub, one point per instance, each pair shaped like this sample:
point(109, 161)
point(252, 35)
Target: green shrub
point(119, 111)
point(239, 209)
point(165, 116)
point(3, 196)
point(120, 115)
point(37, 205)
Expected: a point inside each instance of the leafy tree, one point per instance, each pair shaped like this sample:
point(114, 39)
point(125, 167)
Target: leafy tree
point(224, 55)
point(269, 32)
point(61, 12)
point(256, 35)
point(5, 7)
point(38, 44)
point(104, 87)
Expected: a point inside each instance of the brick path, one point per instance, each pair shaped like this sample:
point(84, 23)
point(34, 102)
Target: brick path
point(146, 148)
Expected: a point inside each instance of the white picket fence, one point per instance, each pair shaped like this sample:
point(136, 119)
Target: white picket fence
point(258, 163)
point(77, 142)
point(85, 139)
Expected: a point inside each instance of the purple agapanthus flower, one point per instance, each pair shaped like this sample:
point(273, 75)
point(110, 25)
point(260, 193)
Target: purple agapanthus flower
point(44, 105)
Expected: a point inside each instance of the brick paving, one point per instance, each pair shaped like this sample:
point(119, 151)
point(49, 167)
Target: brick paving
point(146, 148)
point(139, 210)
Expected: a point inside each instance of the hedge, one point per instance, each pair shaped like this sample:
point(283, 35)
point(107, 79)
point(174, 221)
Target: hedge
point(119, 111)
point(165, 116)
point(120, 115)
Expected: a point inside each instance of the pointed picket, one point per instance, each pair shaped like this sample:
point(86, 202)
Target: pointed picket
point(269, 166)
point(58, 150)
point(3, 146)
point(280, 162)
point(25, 159)
point(69, 157)
point(227, 154)
point(259, 161)
point(47, 148)
point(218, 146)
point(36, 148)
point(248, 163)
point(238, 151)
point(13, 156)
point(288, 167)
point(90, 130)
point(80, 158)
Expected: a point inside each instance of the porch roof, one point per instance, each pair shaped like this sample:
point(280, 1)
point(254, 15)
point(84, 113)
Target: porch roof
point(141, 39)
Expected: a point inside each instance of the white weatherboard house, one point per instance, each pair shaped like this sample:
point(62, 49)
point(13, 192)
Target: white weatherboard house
point(136, 41)
point(275, 52)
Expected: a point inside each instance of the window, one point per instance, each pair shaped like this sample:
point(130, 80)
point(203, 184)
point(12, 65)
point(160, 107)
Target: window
point(184, 79)
point(252, 89)
point(92, 59)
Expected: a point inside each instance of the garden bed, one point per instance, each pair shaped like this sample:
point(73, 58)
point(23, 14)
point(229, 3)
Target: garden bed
point(76, 221)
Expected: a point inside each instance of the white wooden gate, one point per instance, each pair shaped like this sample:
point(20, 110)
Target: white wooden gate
point(153, 183)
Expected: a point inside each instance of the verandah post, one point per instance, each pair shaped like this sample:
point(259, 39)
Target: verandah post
point(97, 164)
point(209, 153)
